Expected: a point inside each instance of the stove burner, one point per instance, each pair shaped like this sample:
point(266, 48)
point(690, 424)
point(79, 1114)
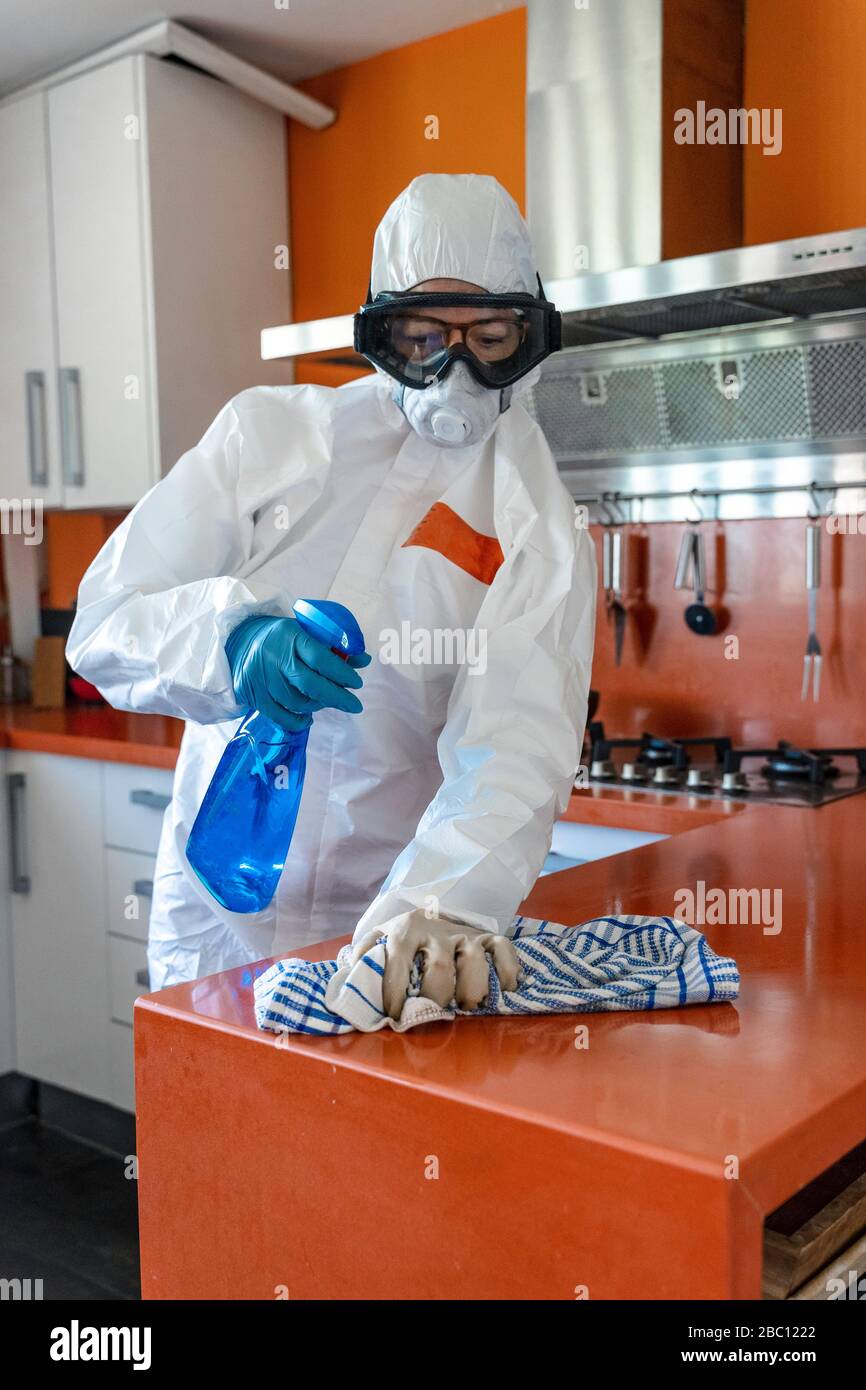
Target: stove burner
point(657, 754)
point(783, 775)
point(795, 764)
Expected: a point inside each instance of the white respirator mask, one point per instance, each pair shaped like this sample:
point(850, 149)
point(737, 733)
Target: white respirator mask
point(453, 413)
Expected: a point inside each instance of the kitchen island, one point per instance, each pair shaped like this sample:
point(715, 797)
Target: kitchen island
point(521, 1158)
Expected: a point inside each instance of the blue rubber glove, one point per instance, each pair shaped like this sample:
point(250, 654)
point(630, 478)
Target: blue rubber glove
point(287, 675)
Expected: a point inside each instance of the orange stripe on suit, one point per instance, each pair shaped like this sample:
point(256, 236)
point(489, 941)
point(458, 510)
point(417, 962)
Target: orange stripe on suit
point(443, 530)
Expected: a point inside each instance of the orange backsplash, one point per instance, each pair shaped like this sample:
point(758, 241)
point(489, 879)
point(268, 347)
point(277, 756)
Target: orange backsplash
point(674, 682)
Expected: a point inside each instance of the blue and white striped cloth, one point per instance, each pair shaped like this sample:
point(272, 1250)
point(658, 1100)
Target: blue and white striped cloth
point(607, 964)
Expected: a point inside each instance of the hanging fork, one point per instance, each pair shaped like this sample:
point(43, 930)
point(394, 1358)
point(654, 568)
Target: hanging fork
point(812, 658)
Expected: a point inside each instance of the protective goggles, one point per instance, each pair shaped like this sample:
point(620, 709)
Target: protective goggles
point(413, 337)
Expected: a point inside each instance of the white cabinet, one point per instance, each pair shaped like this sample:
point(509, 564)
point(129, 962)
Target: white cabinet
point(58, 920)
point(82, 837)
point(143, 205)
point(29, 446)
point(104, 382)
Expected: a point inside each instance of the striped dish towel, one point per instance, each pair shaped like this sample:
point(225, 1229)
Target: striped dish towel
point(606, 964)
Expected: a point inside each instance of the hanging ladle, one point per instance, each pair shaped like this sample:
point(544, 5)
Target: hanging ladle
point(691, 569)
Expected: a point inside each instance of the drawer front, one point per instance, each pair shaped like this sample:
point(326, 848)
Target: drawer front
point(818, 1237)
point(127, 966)
point(135, 801)
point(843, 1278)
point(121, 1066)
point(129, 890)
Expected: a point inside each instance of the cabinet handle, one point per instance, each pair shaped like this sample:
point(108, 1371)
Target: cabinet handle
point(155, 801)
point(143, 888)
point(15, 783)
point(142, 977)
point(70, 426)
point(37, 452)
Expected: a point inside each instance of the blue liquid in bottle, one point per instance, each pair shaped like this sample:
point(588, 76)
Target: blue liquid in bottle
point(242, 833)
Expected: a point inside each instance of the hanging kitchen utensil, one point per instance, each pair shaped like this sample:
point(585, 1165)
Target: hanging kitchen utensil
point(684, 559)
point(618, 607)
point(812, 658)
point(691, 570)
point(606, 563)
point(612, 553)
point(641, 613)
point(699, 616)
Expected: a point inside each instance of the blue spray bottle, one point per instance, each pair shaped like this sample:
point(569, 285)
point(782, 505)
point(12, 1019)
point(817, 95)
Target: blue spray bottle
point(242, 833)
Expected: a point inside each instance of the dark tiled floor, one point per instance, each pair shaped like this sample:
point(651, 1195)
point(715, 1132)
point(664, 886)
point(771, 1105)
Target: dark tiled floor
point(68, 1215)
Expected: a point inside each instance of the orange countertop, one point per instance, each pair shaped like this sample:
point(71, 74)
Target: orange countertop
point(774, 1084)
point(92, 731)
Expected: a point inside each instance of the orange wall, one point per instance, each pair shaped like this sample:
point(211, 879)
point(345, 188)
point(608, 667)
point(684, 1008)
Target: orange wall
point(73, 539)
point(342, 179)
point(809, 58)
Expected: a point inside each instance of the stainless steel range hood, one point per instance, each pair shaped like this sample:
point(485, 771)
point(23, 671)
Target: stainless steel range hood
point(807, 278)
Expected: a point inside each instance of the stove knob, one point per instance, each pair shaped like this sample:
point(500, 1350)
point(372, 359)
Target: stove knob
point(734, 782)
point(668, 776)
point(602, 769)
point(633, 772)
point(699, 777)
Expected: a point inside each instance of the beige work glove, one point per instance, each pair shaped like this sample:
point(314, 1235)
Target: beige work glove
point(454, 963)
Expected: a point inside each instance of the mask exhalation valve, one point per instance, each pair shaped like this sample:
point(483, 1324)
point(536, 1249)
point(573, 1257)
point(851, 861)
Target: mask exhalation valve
point(450, 425)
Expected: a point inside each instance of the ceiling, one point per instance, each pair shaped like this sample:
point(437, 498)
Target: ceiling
point(296, 40)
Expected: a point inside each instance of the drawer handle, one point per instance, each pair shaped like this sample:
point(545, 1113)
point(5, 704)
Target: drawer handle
point(15, 784)
point(143, 888)
point(155, 801)
point(70, 426)
point(37, 451)
point(142, 977)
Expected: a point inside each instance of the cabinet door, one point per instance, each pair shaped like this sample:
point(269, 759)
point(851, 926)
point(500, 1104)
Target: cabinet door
point(58, 921)
point(101, 259)
point(29, 461)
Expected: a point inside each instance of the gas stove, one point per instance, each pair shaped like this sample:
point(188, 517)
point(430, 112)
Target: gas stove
point(712, 767)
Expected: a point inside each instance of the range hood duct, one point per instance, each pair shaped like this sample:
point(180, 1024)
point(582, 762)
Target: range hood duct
point(593, 135)
point(598, 85)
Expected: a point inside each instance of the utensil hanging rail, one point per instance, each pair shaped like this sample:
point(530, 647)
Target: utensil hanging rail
point(813, 489)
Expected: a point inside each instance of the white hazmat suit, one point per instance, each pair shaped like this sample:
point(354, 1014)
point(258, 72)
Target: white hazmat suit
point(465, 571)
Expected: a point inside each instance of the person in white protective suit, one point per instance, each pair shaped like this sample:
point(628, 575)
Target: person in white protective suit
point(424, 497)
